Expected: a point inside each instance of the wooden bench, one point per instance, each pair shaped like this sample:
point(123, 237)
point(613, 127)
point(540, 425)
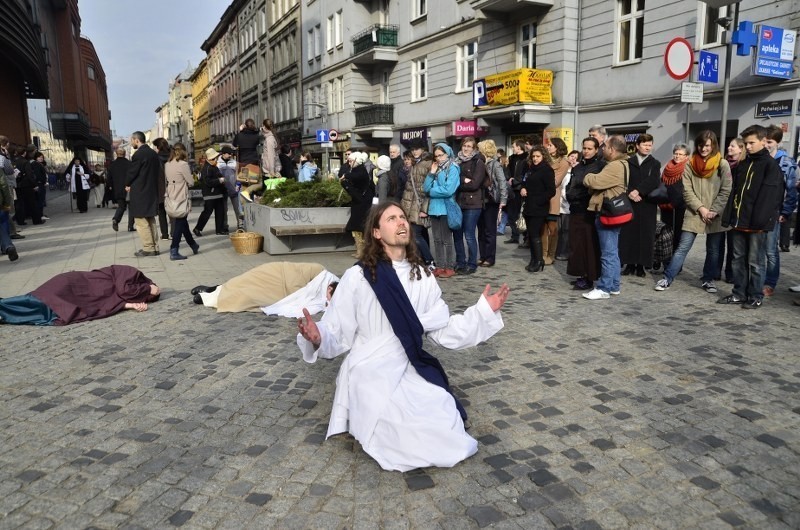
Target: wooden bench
point(306, 230)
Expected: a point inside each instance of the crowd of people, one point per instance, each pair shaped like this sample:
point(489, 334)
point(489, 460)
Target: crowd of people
point(555, 203)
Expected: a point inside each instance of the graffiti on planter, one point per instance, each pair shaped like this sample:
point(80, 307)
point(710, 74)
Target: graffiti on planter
point(297, 216)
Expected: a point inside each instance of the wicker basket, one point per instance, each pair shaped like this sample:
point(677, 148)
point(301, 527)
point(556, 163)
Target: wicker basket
point(247, 242)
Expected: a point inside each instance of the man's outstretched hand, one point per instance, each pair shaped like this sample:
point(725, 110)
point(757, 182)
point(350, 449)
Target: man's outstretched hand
point(497, 299)
point(136, 306)
point(308, 329)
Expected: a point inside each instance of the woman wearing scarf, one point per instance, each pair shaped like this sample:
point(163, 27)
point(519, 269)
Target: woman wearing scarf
point(78, 177)
point(441, 185)
point(672, 212)
point(706, 187)
point(470, 199)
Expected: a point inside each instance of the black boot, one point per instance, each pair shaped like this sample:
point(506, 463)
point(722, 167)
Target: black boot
point(537, 263)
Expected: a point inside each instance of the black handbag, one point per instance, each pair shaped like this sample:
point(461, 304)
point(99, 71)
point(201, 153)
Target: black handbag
point(617, 210)
point(659, 195)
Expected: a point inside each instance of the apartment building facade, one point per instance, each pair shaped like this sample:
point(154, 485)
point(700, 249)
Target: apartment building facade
point(387, 71)
point(384, 71)
point(200, 120)
point(283, 102)
point(46, 57)
point(222, 55)
point(181, 123)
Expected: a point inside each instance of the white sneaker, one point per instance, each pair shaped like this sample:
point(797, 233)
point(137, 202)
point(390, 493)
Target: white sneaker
point(596, 294)
point(661, 285)
point(795, 289)
point(613, 293)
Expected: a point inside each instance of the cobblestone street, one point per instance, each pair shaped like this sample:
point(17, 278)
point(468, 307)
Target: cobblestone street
point(648, 410)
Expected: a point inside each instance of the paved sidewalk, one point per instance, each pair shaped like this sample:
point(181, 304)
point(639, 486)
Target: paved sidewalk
point(649, 410)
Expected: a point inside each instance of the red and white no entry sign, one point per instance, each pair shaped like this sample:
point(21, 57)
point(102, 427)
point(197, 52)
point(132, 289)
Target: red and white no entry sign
point(679, 58)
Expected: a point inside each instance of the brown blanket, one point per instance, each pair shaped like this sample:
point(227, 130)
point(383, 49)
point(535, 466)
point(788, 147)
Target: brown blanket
point(264, 285)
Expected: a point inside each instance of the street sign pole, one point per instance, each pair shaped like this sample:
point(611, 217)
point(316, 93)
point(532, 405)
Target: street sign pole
point(726, 84)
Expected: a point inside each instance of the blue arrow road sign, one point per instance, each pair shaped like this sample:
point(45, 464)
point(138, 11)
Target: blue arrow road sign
point(708, 68)
point(322, 135)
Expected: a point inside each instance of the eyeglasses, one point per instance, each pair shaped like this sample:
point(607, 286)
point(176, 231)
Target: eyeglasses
point(441, 155)
point(680, 154)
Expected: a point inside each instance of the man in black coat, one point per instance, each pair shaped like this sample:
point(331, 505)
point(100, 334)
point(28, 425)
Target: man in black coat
point(142, 183)
point(117, 173)
point(27, 187)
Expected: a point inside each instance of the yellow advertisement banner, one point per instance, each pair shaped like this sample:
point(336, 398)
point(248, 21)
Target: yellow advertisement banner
point(523, 85)
point(565, 133)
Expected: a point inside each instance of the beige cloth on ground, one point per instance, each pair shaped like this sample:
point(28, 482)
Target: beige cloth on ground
point(264, 285)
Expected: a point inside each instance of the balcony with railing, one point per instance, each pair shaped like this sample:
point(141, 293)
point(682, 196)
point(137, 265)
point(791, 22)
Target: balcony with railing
point(375, 120)
point(503, 9)
point(376, 44)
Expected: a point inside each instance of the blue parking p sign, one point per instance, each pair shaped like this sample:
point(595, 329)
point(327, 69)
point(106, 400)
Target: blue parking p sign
point(708, 67)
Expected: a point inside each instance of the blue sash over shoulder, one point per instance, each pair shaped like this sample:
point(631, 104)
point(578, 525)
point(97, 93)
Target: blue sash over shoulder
point(407, 327)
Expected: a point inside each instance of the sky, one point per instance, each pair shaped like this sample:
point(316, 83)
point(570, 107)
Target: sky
point(142, 46)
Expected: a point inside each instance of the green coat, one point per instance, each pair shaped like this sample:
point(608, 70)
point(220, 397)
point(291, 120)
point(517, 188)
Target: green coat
point(711, 192)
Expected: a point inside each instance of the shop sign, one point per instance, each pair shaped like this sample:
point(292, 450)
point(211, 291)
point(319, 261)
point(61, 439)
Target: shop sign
point(565, 133)
point(774, 52)
point(406, 135)
point(465, 128)
point(772, 109)
point(523, 85)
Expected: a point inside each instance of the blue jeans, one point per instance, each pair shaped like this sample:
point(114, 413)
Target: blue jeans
point(609, 256)
point(422, 245)
point(773, 256)
point(468, 230)
point(749, 264)
point(501, 228)
point(5, 236)
point(712, 263)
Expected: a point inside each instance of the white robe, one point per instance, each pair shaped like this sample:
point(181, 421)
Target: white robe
point(400, 419)
point(313, 297)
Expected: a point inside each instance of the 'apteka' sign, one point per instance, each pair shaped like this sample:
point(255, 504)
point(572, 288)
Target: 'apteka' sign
point(774, 52)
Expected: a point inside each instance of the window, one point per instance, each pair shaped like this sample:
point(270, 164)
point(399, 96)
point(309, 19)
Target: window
point(419, 79)
point(339, 91)
point(527, 46)
point(467, 58)
point(709, 33)
point(329, 34)
point(310, 45)
point(317, 41)
point(630, 30)
point(420, 8)
point(90, 72)
point(338, 30)
point(331, 99)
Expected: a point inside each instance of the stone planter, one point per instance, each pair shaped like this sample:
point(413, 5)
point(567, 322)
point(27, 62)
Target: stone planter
point(299, 230)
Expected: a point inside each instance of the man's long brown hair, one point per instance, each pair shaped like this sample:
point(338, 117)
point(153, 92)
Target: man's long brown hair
point(374, 250)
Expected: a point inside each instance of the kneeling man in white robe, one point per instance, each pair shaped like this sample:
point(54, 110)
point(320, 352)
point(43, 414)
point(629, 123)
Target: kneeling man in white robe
point(391, 395)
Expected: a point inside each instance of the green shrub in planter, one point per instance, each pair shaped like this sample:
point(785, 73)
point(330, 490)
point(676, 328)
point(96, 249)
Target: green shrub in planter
point(315, 194)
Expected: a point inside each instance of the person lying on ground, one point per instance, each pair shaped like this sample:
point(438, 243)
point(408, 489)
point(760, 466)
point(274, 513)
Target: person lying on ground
point(280, 288)
point(78, 296)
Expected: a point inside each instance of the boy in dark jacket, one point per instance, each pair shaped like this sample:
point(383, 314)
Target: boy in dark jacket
point(751, 212)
